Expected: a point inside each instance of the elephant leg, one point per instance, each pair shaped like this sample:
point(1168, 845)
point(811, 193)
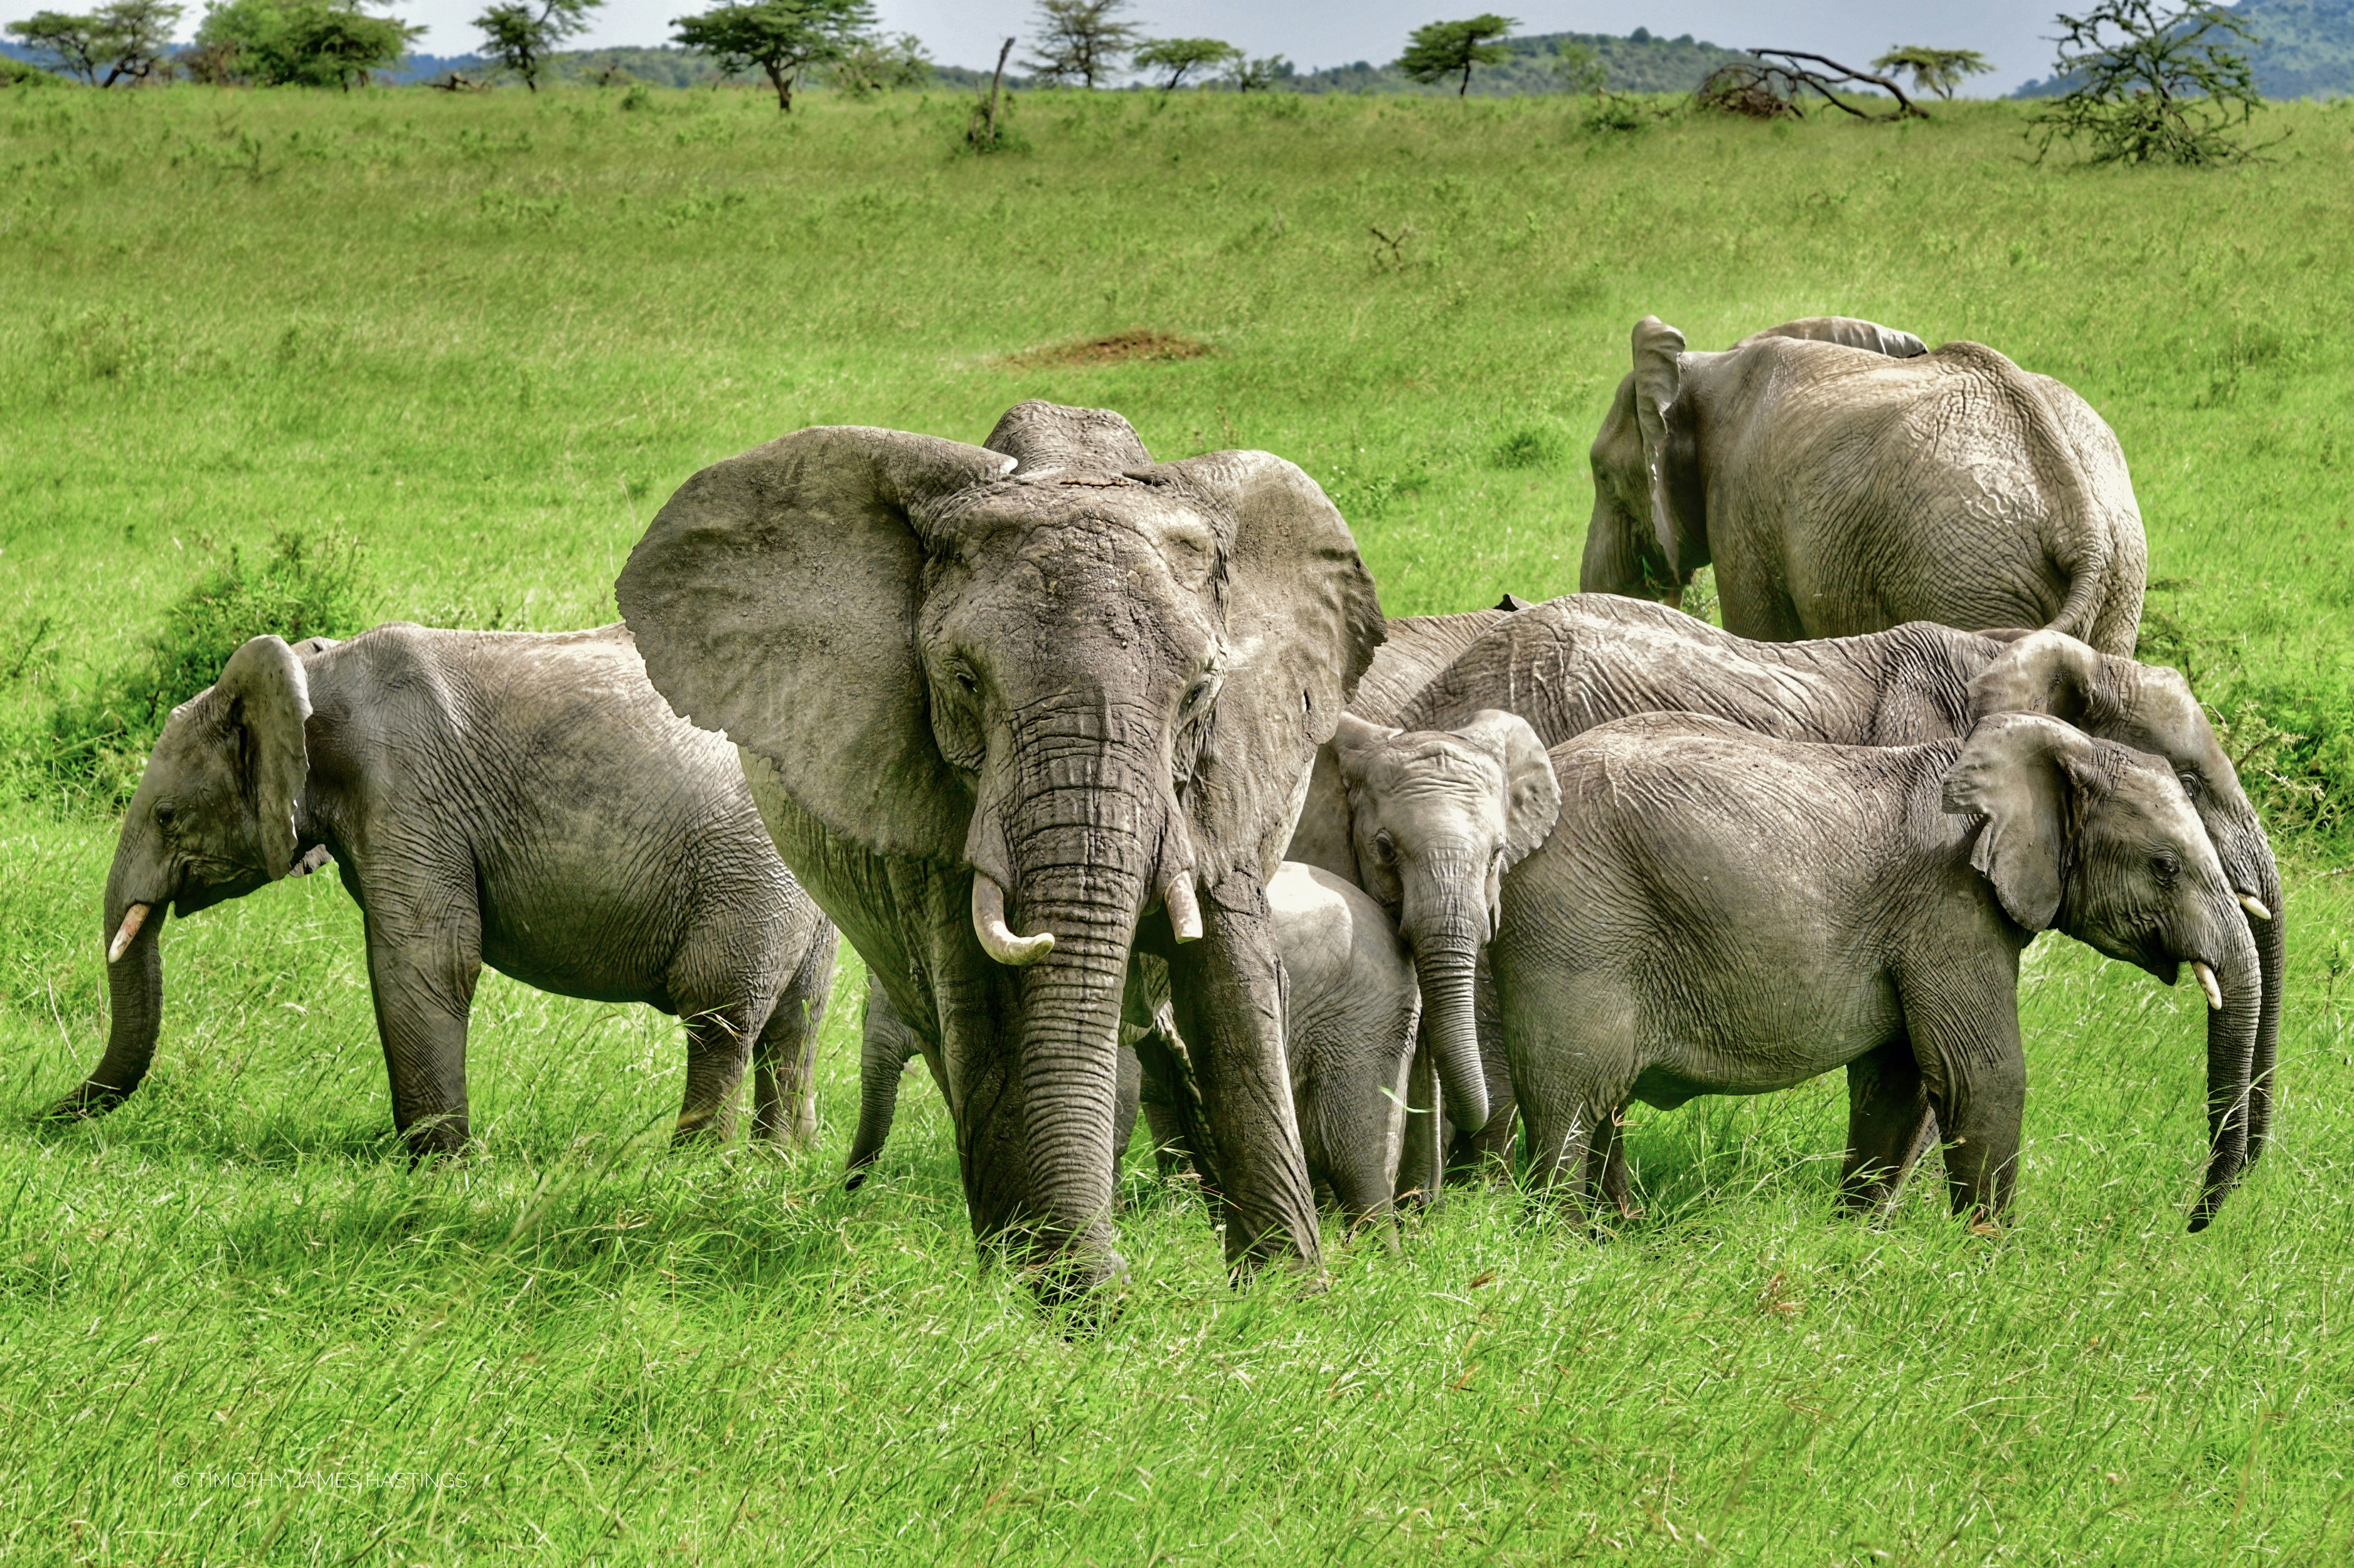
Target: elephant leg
point(884, 1047)
point(1419, 1155)
point(1889, 1126)
point(423, 989)
point(1975, 1080)
point(719, 1048)
point(1228, 990)
point(1609, 1175)
point(784, 1060)
point(1172, 1103)
point(1125, 1101)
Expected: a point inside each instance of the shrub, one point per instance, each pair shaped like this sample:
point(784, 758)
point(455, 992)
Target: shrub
point(93, 747)
point(304, 43)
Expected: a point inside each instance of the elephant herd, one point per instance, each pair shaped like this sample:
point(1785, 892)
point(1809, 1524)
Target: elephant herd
point(1130, 798)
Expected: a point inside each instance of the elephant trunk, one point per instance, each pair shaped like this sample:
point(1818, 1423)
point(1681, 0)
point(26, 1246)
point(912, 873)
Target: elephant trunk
point(2234, 988)
point(136, 891)
point(1081, 857)
point(1446, 929)
point(2271, 933)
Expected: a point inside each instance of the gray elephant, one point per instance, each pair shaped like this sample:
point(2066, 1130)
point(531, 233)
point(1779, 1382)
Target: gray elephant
point(521, 799)
point(1842, 480)
point(1011, 712)
point(1351, 1005)
point(1427, 821)
point(1586, 658)
point(1725, 913)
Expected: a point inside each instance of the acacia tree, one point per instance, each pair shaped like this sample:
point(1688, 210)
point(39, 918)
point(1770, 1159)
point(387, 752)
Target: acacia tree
point(1933, 70)
point(521, 39)
point(309, 43)
point(2152, 88)
point(127, 39)
point(1439, 50)
point(1081, 38)
point(1178, 56)
point(784, 37)
point(873, 65)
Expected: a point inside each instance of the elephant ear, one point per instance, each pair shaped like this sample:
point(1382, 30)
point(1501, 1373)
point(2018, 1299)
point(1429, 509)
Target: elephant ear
point(774, 599)
point(1659, 381)
point(1042, 436)
point(2017, 771)
point(264, 690)
point(1302, 620)
point(2045, 672)
point(1532, 793)
point(1848, 331)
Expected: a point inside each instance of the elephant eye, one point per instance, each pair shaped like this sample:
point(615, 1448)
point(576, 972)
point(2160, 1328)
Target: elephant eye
point(964, 676)
point(1384, 848)
point(2166, 864)
point(166, 814)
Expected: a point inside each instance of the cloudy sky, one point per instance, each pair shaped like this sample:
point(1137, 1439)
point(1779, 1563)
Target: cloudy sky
point(2011, 33)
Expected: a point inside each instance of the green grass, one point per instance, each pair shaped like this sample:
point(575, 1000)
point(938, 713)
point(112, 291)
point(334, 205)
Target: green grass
point(486, 335)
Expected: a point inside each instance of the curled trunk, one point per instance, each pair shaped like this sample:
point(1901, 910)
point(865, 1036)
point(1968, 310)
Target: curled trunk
point(134, 988)
point(1450, 1023)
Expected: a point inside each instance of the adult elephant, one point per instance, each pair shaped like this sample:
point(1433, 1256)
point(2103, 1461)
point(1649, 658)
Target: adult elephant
point(1842, 480)
point(1585, 659)
point(517, 798)
point(1044, 686)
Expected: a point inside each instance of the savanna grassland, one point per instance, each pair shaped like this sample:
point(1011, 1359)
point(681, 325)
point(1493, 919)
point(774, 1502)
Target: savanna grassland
point(462, 346)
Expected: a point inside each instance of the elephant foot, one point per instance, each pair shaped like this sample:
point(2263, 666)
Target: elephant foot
point(86, 1101)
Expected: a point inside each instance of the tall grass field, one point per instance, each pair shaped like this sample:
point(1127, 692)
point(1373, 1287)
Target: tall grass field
point(404, 354)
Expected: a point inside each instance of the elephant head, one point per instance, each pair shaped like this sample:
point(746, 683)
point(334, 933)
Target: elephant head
point(2099, 841)
point(214, 818)
point(1433, 819)
point(1649, 532)
point(1086, 682)
point(2150, 708)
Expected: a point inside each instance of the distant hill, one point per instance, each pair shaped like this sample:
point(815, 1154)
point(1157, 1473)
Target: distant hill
point(663, 66)
point(1635, 63)
point(2307, 50)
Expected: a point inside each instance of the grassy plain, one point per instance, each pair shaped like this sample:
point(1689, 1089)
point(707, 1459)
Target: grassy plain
point(486, 335)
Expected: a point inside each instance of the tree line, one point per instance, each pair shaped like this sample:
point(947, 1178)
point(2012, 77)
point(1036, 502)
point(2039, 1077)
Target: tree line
point(2150, 82)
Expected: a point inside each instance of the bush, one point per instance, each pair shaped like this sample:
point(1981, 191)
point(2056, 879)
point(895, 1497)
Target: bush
point(15, 72)
point(296, 43)
point(93, 748)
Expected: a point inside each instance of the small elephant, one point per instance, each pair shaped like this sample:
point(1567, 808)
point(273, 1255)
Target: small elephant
point(1583, 660)
point(1843, 480)
point(1724, 912)
point(1351, 1007)
point(522, 799)
point(1428, 822)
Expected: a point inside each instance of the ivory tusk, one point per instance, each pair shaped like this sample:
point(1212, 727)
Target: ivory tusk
point(2255, 906)
point(1184, 913)
point(997, 939)
point(132, 919)
point(2207, 983)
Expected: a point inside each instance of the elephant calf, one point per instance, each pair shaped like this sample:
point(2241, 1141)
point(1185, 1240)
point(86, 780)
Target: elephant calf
point(522, 799)
point(1722, 913)
point(1351, 1008)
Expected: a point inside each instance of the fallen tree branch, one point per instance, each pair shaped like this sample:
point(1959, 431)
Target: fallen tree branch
point(1905, 108)
point(1769, 84)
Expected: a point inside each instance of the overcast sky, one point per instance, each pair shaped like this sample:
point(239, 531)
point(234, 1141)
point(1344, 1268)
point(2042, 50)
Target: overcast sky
point(2011, 33)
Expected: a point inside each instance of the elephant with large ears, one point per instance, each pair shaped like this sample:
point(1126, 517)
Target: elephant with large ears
point(514, 799)
point(1724, 912)
point(1583, 660)
point(1009, 711)
point(1843, 480)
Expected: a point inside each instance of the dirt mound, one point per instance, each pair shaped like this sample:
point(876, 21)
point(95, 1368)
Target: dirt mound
point(1137, 342)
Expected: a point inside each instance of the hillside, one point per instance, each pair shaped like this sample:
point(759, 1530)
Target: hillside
point(2305, 48)
point(1637, 62)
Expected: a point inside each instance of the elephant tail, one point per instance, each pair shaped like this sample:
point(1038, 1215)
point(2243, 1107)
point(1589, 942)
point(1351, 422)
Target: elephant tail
point(2076, 531)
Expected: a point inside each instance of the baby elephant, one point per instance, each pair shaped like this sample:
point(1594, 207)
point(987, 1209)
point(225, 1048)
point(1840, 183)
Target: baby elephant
point(1722, 913)
point(523, 799)
point(1351, 1007)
